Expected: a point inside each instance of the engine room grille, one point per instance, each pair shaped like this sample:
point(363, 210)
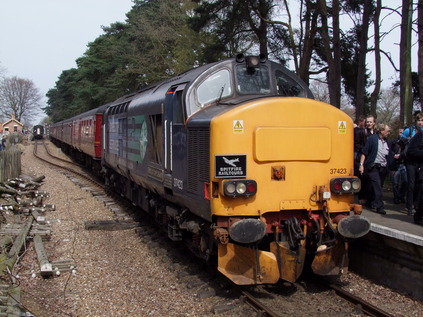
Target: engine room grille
point(198, 158)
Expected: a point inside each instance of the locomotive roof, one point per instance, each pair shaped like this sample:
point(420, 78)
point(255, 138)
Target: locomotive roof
point(150, 93)
point(186, 76)
point(153, 95)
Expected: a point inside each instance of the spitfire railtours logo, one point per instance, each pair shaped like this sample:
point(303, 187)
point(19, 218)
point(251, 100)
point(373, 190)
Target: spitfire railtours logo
point(229, 166)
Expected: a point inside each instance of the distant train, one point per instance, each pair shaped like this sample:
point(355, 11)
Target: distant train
point(236, 160)
point(38, 132)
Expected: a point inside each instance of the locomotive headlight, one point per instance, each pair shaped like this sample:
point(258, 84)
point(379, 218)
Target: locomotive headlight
point(241, 188)
point(245, 188)
point(230, 188)
point(346, 186)
point(356, 184)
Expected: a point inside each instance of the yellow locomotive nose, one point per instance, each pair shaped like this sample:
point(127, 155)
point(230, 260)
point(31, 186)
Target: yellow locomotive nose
point(300, 201)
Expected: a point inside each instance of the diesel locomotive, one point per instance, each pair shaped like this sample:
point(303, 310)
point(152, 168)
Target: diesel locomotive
point(238, 161)
point(38, 132)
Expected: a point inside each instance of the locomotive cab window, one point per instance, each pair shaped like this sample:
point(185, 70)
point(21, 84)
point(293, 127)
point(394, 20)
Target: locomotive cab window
point(287, 86)
point(215, 87)
point(252, 80)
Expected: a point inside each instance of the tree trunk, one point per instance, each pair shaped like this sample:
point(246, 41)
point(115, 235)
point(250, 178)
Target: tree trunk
point(336, 54)
point(334, 67)
point(306, 52)
point(375, 94)
point(406, 110)
point(361, 74)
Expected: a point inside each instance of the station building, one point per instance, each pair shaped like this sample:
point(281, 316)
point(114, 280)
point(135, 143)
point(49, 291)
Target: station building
point(12, 125)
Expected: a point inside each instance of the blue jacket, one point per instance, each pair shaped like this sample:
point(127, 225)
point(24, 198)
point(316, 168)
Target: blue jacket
point(409, 132)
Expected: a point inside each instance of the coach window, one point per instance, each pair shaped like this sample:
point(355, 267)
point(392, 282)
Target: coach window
point(215, 87)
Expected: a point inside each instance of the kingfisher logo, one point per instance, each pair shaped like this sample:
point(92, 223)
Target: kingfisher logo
point(230, 166)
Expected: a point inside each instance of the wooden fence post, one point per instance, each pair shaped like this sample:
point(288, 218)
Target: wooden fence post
point(10, 162)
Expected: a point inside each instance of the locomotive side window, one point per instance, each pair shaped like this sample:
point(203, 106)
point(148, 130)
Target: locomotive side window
point(155, 138)
point(122, 126)
point(287, 86)
point(178, 111)
point(122, 135)
point(252, 80)
point(215, 87)
point(133, 124)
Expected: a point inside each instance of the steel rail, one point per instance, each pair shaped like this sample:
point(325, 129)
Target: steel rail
point(257, 305)
point(365, 306)
point(60, 158)
point(85, 177)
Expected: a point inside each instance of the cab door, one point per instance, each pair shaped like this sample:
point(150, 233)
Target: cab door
point(175, 165)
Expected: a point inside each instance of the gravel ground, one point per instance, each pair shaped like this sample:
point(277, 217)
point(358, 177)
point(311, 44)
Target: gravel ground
point(116, 274)
point(119, 275)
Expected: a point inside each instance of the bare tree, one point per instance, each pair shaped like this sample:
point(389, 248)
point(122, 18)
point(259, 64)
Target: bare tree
point(320, 91)
point(388, 108)
point(2, 71)
point(19, 97)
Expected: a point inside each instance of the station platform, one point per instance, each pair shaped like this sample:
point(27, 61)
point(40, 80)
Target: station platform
point(392, 252)
point(396, 223)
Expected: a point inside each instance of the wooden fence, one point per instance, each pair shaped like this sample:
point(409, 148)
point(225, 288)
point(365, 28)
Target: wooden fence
point(10, 162)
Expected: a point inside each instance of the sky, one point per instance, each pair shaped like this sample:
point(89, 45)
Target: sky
point(41, 38)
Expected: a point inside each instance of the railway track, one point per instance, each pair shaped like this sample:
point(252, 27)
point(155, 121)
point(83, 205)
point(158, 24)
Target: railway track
point(361, 306)
point(71, 169)
point(367, 308)
point(153, 237)
point(121, 208)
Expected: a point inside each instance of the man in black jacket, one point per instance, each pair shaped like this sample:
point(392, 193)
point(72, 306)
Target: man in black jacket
point(411, 164)
point(373, 162)
point(415, 152)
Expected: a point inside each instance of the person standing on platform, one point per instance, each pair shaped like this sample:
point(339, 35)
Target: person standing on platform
point(366, 192)
point(373, 163)
point(3, 142)
point(415, 152)
point(411, 164)
point(359, 141)
point(370, 125)
point(397, 169)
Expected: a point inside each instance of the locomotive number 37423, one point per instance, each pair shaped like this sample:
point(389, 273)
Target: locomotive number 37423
point(338, 171)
